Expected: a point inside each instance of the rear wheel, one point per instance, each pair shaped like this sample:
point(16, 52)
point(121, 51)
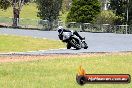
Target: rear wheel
point(68, 46)
point(75, 43)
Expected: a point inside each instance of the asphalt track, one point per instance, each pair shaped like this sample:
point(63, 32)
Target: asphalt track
point(97, 42)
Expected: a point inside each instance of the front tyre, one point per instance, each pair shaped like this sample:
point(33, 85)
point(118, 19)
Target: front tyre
point(85, 45)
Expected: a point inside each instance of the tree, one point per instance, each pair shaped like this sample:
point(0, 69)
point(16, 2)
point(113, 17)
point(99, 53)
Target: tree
point(120, 8)
point(4, 4)
point(66, 5)
point(49, 10)
point(130, 12)
point(17, 6)
point(83, 11)
point(106, 17)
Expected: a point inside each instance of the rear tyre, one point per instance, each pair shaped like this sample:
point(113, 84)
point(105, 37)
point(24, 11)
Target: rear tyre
point(68, 46)
point(75, 43)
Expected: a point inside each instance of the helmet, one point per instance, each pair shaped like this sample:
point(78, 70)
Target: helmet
point(60, 29)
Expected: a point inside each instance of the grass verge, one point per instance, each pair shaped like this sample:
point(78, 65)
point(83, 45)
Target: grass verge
point(60, 71)
point(10, 43)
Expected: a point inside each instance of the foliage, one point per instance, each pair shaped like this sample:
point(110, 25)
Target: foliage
point(5, 4)
point(83, 11)
point(49, 10)
point(120, 8)
point(106, 17)
point(66, 5)
point(130, 12)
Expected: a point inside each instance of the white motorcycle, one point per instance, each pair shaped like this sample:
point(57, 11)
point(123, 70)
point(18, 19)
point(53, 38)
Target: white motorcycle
point(72, 40)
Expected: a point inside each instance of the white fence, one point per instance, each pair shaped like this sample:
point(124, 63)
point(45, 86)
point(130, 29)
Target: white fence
point(30, 23)
point(44, 25)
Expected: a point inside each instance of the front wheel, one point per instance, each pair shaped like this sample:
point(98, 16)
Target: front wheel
point(85, 45)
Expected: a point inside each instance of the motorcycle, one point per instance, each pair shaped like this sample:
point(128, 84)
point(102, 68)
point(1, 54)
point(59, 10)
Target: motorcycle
point(72, 40)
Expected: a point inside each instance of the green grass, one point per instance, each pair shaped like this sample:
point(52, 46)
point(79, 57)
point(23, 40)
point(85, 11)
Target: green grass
point(28, 11)
point(5, 20)
point(60, 72)
point(28, 15)
point(10, 43)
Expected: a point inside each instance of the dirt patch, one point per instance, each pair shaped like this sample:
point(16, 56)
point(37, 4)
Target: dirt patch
point(17, 58)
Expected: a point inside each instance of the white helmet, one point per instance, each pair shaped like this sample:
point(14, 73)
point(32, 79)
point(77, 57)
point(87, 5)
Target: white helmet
point(60, 29)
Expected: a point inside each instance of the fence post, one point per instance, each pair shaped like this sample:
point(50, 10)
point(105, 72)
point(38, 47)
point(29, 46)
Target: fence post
point(115, 27)
point(126, 28)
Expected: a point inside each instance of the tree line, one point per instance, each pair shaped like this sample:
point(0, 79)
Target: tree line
point(82, 11)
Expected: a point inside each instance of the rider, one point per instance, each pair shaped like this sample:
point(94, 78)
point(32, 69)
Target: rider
point(61, 30)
